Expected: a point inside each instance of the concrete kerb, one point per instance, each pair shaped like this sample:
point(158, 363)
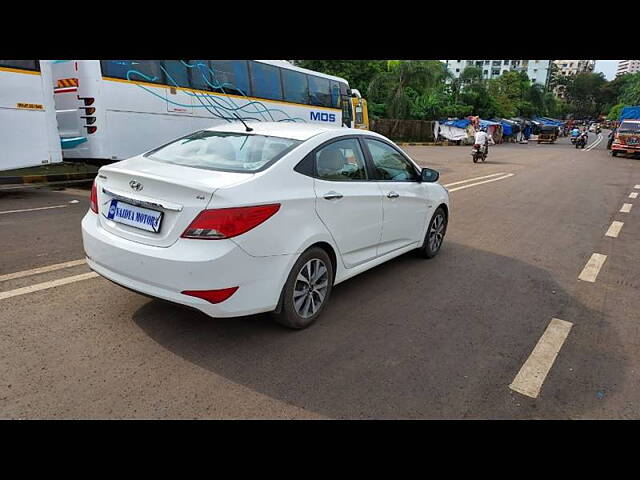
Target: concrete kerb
point(45, 179)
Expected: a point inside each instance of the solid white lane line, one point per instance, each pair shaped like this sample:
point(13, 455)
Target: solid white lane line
point(45, 285)
point(36, 271)
point(636, 186)
point(32, 209)
point(529, 379)
point(480, 183)
point(626, 207)
point(592, 268)
point(633, 195)
point(614, 229)
point(472, 179)
point(594, 144)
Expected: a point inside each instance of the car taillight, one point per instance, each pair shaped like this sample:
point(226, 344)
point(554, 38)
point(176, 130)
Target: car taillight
point(212, 296)
point(94, 198)
point(222, 223)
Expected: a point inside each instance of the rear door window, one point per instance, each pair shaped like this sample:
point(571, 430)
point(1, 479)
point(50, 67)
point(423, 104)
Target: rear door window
point(341, 161)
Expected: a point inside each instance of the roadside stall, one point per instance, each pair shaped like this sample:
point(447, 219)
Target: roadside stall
point(494, 129)
point(455, 130)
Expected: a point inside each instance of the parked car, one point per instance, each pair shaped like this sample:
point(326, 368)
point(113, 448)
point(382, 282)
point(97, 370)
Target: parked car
point(239, 220)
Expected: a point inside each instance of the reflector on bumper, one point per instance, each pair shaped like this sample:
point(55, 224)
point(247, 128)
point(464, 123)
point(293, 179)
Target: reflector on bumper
point(212, 296)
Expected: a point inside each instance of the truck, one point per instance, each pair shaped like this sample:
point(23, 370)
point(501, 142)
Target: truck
point(627, 136)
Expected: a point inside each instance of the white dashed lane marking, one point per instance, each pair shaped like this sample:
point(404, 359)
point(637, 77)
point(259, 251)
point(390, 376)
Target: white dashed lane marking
point(36, 271)
point(633, 195)
point(45, 285)
point(32, 209)
point(626, 207)
point(592, 268)
point(531, 376)
point(614, 229)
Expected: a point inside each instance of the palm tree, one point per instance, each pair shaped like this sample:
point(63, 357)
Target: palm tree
point(401, 75)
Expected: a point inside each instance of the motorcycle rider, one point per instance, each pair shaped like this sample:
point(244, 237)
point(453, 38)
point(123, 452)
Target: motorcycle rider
point(583, 137)
point(575, 132)
point(483, 139)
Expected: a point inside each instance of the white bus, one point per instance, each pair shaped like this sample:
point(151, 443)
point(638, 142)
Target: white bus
point(113, 109)
point(28, 131)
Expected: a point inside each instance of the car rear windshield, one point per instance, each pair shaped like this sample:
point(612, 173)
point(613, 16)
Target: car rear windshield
point(226, 151)
point(628, 127)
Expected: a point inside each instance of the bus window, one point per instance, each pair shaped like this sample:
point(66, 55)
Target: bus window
point(335, 94)
point(115, 68)
point(136, 70)
point(199, 74)
point(296, 87)
point(232, 76)
point(319, 91)
point(265, 81)
point(176, 73)
point(21, 64)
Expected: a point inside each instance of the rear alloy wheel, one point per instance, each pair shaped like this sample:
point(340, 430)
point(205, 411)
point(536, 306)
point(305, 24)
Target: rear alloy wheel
point(435, 234)
point(307, 290)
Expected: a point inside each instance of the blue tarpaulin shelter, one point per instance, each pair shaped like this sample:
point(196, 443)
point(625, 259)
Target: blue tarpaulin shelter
point(458, 123)
point(549, 121)
point(629, 113)
point(487, 123)
point(507, 129)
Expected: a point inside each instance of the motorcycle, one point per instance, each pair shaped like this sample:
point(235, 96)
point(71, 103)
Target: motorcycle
point(479, 152)
point(581, 141)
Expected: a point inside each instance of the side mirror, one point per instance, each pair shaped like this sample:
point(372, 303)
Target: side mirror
point(429, 175)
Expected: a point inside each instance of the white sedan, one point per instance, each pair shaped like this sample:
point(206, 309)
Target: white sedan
point(239, 220)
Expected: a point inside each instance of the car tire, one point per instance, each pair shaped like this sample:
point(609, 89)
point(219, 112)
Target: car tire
point(437, 227)
point(614, 153)
point(298, 308)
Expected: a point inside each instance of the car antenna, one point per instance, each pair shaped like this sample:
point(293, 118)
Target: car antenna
point(249, 129)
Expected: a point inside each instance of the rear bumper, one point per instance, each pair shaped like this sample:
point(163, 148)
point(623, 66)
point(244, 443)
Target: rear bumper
point(625, 148)
point(188, 265)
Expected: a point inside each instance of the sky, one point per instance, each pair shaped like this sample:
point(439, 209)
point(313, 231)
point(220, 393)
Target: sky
point(608, 67)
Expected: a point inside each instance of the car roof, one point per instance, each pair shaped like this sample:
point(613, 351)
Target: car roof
point(293, 130)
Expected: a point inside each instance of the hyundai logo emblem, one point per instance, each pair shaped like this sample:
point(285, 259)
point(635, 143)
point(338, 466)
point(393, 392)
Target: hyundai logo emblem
point(137, 186)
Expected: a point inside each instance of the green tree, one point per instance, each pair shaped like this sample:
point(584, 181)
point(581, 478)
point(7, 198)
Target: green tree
point(403, 82)
point(630, 94)
point(584, 93)
point(358, 73)
point(615, 111)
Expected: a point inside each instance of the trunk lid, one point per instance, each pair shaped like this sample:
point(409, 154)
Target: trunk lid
point(179, 192)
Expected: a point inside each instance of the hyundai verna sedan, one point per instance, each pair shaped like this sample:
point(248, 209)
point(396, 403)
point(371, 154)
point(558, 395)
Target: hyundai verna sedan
point(239, 220)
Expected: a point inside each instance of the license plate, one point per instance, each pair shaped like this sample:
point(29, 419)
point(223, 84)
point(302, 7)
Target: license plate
point(134, 216)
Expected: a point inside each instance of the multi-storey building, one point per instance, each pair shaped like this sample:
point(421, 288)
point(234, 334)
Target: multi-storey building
point(567, 68)
point(573, 67)
point(628, 66)
point(537, 70)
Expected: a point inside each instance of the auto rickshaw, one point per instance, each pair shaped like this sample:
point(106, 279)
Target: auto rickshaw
point(548, 133)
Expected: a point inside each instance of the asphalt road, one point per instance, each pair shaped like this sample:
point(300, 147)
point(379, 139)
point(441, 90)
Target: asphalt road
point(412, 338)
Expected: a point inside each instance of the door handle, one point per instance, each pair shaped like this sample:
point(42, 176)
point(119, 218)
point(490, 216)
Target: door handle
point(332, 195)
point(392, 195)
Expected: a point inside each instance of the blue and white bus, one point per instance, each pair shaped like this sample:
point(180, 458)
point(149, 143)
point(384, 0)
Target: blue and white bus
point(28, 131)
point(112, 109)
